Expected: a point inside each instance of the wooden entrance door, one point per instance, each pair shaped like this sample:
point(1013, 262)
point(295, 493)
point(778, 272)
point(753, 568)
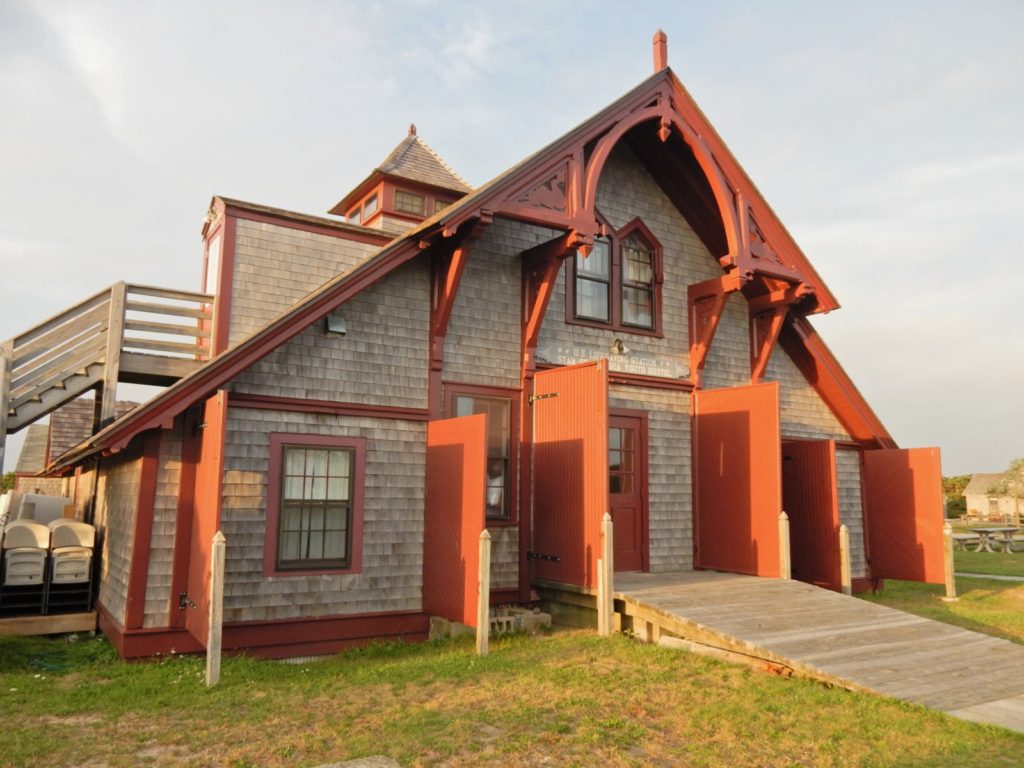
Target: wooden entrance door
point(810, 496)
point(627, 490)
point(738, 494)
point(570, 451)
point(903, 511)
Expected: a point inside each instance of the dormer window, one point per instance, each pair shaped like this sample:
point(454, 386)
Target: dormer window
point(440, 205)
point(370, 206)
point(618, 286)
point(410, 202)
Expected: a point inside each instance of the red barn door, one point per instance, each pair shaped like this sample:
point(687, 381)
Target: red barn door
point(737, 479)
point(454, 520)
point(903, 507)
point(810, 496)
point(570, 435)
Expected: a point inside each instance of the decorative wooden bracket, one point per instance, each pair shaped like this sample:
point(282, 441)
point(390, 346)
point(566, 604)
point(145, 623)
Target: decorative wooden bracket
point(707, 302)
point(447, 267)
point(541, 265)
point(764, 332)
point(767, 315)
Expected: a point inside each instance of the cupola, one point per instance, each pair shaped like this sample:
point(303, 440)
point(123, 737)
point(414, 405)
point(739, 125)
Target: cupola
point(412, 184)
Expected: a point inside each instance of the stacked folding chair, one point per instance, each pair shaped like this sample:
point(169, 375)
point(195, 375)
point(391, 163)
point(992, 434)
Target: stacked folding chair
point(24, 555)
point(69, 586)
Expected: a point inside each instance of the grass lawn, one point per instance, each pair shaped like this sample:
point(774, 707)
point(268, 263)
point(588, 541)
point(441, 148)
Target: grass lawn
point(567, 699)
point(995, 563)
point(985, 605)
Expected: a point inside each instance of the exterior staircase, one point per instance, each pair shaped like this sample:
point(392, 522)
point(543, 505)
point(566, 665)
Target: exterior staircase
point(126, 333)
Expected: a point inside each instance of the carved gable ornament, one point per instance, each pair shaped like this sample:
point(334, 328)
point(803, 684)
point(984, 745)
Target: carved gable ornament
point(547, 192)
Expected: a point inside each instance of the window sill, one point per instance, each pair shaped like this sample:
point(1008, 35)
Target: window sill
point(625, 329)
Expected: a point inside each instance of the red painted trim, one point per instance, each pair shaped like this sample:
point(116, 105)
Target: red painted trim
point(821, 369)
point(142, 541)
point(323, 635)
point(705, 305)
point(514, 396)
point(140, 643)
point(286, 219)
point(541, 266)
point(278, 440)
point(190, 447)
point(303, 405)
point(272, 639)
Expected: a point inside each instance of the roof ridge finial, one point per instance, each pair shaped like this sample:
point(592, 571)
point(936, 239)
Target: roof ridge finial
point(660, 51)
point(412, 129)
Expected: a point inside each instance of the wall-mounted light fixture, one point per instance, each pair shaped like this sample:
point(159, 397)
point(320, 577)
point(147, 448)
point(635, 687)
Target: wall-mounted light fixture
point(334, 325)
point(619, 347)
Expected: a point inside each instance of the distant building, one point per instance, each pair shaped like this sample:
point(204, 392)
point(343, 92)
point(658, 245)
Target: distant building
point(983, 503)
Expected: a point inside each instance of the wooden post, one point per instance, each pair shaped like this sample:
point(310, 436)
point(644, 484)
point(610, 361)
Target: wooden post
point(605, 579)
point(844, 560)
point(6, 361)
point(785, 564)
point(215, 634)
point(483, 606)
point(947, 548)
point(112, 361)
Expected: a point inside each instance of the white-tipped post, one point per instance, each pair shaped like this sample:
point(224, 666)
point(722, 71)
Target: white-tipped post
point(785, 564)
point(483, 586)
point(215, 633)
point(947, 551)
point(605, 578)
point(845, 578)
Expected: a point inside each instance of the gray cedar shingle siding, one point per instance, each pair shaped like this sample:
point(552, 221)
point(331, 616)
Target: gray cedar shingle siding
point(504, 556)
point(392, 550)
point(275, 266)
point(117, 499)
point(670, 501)
point(383, 358)
point(165, 513)
point(482, 345)
point(851, 510)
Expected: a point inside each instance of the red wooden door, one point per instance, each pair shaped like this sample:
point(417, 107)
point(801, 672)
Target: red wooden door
point(627, 490)
point(903, 511)
point(570, 441)
point(737, 479)
point(454, 516)
point(810, 496)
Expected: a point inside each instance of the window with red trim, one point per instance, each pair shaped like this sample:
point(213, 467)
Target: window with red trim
point(501, 407)
point(314, 504)
point(618, 286)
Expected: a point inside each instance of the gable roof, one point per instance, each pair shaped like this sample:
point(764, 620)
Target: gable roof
point(72, 423)
point(981, 482)
point(412, 160)
point(460, 217)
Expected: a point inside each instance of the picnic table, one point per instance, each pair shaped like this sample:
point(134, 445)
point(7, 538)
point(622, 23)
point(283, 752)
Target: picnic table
point(1001, 537)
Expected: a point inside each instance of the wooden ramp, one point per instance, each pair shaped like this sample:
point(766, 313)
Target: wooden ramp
point(831, 637)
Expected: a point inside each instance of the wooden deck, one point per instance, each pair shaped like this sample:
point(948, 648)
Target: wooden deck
point(53, 624)
point(795, 627)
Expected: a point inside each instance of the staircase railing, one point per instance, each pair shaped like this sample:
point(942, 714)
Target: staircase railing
point(83, 348)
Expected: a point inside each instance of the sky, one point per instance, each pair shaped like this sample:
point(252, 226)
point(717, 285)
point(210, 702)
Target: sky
point(886, 136)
